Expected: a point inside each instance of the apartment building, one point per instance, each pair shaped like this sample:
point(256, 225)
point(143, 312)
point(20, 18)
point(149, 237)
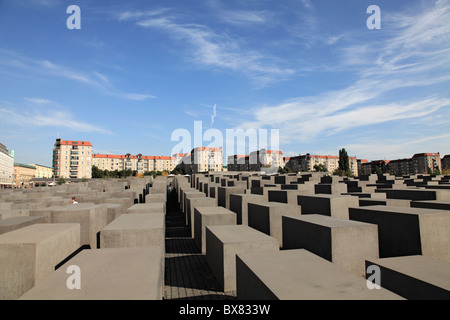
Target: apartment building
point(308, 161)
point(238, 163)
point(42, 171)
point(136, 163)
point(204, 159)
point(6, 167)
point(445, 162)
point(264, 159)
point(72, 159)
point(23, 174)
point(423, 162)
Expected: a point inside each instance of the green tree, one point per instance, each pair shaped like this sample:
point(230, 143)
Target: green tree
point(320, 168)
point(97, 173)
point(344, 164)
point(61, 181)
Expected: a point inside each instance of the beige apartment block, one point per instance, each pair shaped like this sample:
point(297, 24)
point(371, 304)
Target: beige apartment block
point(23, 174)
point(42, 171)
point(265, 158)
point(138, 163)
point(72, 159)
point(204, 159)
point(308, 161)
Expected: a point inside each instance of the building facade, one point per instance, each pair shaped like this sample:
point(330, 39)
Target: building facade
point(136, 163)
point(238, 163)
point(308, 162)
point(23, 174)
point(6, 167)
point(43, 171)
point(445, 162)
point(426, 162)
point(265, 159)
point(205, 159)
point(72, 159)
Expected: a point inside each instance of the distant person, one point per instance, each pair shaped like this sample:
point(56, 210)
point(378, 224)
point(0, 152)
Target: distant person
point(74, 200)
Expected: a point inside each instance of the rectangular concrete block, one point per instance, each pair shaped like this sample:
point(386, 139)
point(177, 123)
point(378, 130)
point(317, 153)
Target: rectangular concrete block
point(224, 242)
point(267, 217)
point(224, 195)
point(344, 242)
point(158, 207)
point(192, 203)
point(91, 217)
point(414, 277)
point(156, 197)
point(134, 230)
point(408, 231)
point(335, 206)
point(330, 188)
point(28, 255)
point(417, 194)
point(210, 216)
point(187, 196)
point(299, 275)
point(239, 205)
point(284, 196)
point(432, 204)
point(10, 224)
point(107, 274)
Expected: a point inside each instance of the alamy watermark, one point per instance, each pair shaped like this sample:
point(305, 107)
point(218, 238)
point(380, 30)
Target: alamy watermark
point(236, 141)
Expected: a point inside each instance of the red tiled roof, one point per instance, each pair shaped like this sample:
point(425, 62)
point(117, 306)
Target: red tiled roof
point(76, 143)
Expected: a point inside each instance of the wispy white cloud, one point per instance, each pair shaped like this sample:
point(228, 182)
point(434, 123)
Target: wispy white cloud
point(14, 64)
point(52, 115)
point(212, 49)
point(415, 54)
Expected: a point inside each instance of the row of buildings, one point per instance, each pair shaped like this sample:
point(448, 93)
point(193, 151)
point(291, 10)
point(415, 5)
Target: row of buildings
point(74, 159)
point(420, 163)
point(14, 174)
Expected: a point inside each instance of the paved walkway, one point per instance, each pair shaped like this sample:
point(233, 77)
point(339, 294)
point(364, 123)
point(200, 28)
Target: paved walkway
point(187, 274)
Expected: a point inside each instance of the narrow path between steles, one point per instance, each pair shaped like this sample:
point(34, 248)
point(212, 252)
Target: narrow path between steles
point(187, 274)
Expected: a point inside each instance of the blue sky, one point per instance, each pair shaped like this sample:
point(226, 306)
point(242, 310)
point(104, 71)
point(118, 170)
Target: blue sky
point(138, 70)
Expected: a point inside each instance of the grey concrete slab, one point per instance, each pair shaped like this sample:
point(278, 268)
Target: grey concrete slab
point(299, 275)
point(113, 210)
point(194, 202)
point(134, 230)
point(267, 217)
point(344, 242)
point(190, 195)
point(408, 231)
point(28, 255)
point(330, 205)
point(414, 277)
point(284, 196)
point(107, 274)
point(157, 207)
point(91, 217)
point(417, 194)
point(330, 188)
point(224, 195)
point(239, 205)
point(156, 197)
point(210, 216)
point(10, 224)
point(432, 204)
point(224, 242)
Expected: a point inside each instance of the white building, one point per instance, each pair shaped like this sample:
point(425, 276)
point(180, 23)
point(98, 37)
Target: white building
point(6, 167)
